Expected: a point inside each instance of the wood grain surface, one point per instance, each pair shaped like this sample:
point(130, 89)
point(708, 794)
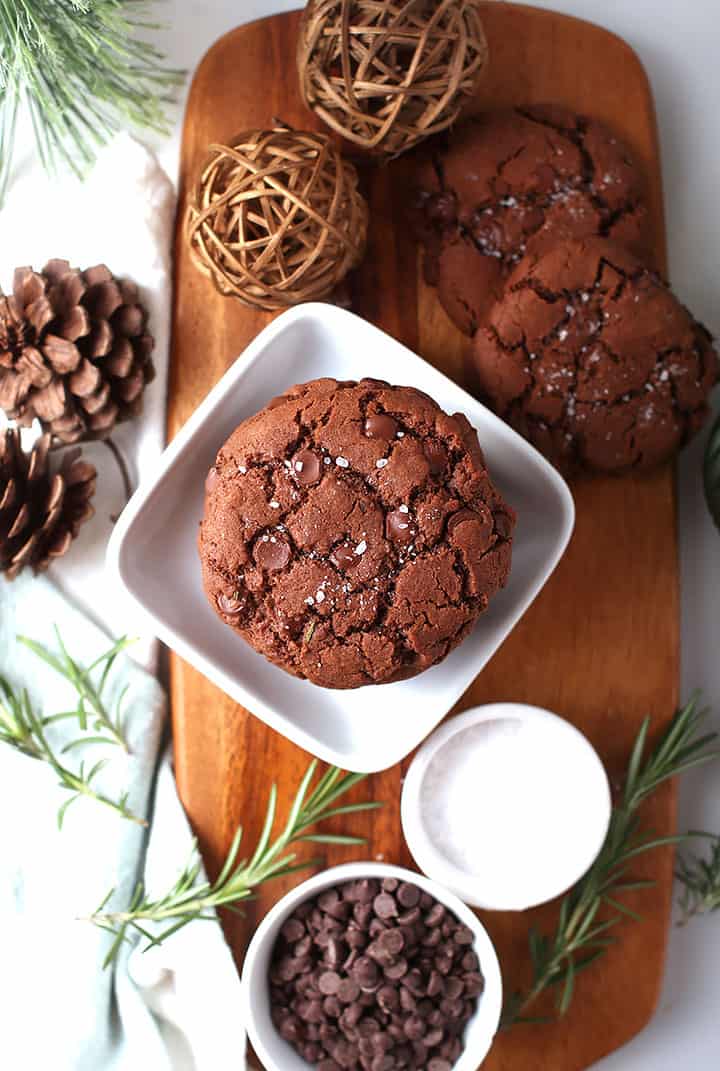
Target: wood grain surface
point(599, 646)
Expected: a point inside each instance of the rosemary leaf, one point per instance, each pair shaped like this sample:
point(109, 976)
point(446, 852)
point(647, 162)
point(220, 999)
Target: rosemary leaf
point(579, 939)
point(90, 695)
point(700, 880)
point(711, 472)
point(190, 899)
point(22, 728)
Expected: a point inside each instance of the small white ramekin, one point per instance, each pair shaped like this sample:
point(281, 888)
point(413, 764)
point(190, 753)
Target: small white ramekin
point(469, 886)
point(275, 1053)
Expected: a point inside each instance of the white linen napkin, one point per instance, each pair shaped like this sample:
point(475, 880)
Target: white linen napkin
point(176, 1007)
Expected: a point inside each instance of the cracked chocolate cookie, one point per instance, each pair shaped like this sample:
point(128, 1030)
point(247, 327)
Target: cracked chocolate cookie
point(593, 359)
point(512, 183)
point(352, 534)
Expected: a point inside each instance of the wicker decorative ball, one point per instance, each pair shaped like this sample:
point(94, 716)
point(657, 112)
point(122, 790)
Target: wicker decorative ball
point(387, 73)
point(276, 217)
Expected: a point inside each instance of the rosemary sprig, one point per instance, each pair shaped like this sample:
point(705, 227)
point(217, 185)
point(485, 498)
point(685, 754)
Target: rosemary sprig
point(711, 472)
point(700, 879)
point(83, 71)
point(583, 931)
point(90, 701)
point(190, 899)
point(23, 729)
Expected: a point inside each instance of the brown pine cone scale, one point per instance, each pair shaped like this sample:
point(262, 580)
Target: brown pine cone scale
point(74, 350)
point(40, 512)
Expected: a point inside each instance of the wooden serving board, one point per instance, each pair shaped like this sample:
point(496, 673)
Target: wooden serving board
point(600, 644)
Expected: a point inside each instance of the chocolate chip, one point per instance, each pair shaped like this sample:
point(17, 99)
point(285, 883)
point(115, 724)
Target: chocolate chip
point(463, 936)
point(415, 1027)
point(332, 1007)
point(365, 972)
point(436, 456)
point(474, 984)
point(335, 951)
point(436, 984)
point(329, 982)
point(453, 988)
point(391, 941)
point(380, 426)
point(385, 906)
point(438, 1064)
point(397, 970)
point(306, 467)
point(348, 991)
point(344, 557)
point(469, 962)
point(367, 890)
point(376, 927)
point(231, 605)
point(433, 1037)
point(407, 1000)
point(398, 526)
point(389, 884)
point(431, 939)
point(362, 913)
point(435, 915)
point(408, 895)
point(328, 899)
point(387, 998)
point(271, 553)
point(441, 208)
point(503, 524)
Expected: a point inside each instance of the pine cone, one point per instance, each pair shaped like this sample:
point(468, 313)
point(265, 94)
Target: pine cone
point(40, 513)
point(73, 350)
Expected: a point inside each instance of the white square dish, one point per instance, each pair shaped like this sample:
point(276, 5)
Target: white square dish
point(153, 548)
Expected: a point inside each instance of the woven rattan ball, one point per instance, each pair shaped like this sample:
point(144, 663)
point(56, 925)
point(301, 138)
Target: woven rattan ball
point(387, 73)
point(276, 217)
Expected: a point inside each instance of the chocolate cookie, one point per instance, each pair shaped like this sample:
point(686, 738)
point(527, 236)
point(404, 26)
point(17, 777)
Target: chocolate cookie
point(352, 533)
point(512, 183)
point(591, 357)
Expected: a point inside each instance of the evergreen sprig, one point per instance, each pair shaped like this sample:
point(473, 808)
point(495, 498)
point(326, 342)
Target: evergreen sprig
point(700, 880)
point(23, 729)
point(583, 932)
point(83, 70)
point(190, 898)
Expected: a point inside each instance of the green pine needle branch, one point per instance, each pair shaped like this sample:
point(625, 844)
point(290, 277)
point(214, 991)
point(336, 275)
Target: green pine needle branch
point(83, 69)
point(584, 929)
point(23, 729)
point(190, 898)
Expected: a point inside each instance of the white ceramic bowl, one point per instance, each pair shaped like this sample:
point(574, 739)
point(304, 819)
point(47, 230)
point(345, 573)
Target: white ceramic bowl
point(275, 1053)
point(494, 887)
point(153, 548)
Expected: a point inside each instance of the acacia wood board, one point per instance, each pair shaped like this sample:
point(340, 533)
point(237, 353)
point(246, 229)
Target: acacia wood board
point(600, 646)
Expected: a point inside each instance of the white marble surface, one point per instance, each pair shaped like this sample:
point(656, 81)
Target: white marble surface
point(678, 42)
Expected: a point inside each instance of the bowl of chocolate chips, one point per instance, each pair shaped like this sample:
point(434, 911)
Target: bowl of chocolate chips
point(371, 967)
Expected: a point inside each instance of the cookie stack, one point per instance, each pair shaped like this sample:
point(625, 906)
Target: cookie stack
point(534, 226)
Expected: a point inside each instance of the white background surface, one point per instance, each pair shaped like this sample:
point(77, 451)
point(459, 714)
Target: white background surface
point(678, 42)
